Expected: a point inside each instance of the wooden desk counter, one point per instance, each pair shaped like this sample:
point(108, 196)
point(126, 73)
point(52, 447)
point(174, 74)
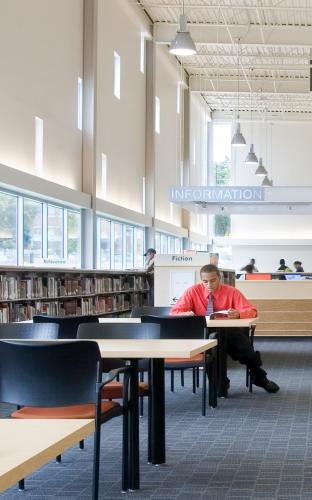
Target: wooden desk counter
point(230, 323)
point(26, 445)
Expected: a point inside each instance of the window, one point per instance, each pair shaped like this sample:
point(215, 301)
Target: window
point(55, 232)
point(117, 72)
point(179, 89)
point(119, 245)
point(165, 243)
point(104, 175)
point(129, 247)
point(104, 237)
point(38, 146)
point(79, 103)
point(222, 171)
point(47, 234)
point(8, 229)
point(157, 115)
point(73, 238)
point(32, 232)
point(142, 52)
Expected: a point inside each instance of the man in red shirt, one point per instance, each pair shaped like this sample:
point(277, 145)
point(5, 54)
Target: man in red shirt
point(211, 296)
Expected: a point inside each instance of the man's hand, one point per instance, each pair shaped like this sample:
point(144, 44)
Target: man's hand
point(234, 314)
point(186, 313)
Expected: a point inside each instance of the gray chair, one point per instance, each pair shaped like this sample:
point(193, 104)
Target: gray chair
point(38, 331)
point(139, 311)
point(189, 327)
point(68, 325)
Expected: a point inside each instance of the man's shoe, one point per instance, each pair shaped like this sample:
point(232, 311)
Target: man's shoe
point(267, 384)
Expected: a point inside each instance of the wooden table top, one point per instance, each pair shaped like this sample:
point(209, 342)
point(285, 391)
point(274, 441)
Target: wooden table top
point(153, 348)
point(26, 445)
point(230, 323)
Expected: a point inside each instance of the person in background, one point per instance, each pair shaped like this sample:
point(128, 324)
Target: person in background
point(211, 296)
point(252, 265)
point(249, 269)
point(298, 266)
point(283, 266)
point(149, 267)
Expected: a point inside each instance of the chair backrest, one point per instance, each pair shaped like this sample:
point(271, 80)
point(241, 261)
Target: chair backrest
point(118, 331)
point(68, 325)
point(179, 327)
point(48, 374)
point(29, 331)
point(139, 311)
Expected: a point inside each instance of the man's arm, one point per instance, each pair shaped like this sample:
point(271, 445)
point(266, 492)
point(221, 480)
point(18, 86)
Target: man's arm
point(243, 306)
point(184, 306)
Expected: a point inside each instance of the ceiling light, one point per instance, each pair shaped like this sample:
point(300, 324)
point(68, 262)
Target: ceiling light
point(261, 170)
point(238, 138)
point(182, 44)
point(266, 182)
point(251, 158)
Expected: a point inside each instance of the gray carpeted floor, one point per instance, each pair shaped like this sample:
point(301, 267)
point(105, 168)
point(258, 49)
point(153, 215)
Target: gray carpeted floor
point(253, 446)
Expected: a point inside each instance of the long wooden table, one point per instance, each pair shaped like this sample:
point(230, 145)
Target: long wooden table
point(26, 445)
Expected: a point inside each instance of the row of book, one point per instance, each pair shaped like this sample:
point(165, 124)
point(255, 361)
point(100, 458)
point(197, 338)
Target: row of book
point(15, 287)
point(11, 312)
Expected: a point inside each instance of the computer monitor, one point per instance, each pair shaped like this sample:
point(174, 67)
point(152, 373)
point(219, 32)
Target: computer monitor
point(258, 276)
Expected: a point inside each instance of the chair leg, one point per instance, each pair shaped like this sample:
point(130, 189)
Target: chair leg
point(125, 451)
point(204, 392)
point(21, 485)
point(96, 462)
point(194, 376)
point(182, 378)
point(250, 381)
point(197, 376)
point(58, 459)
point(81, 444)
point(141, 406)
point(247, 377)
point(172, 380)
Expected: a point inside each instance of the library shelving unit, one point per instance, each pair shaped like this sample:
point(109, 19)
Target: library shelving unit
point(25, 292)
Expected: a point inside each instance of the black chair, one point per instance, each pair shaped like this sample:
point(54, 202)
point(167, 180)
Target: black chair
point(68, 325)
point(29, 331)
point(31, 372)
point(139, 311)
point(120, 331)
point(188, 327)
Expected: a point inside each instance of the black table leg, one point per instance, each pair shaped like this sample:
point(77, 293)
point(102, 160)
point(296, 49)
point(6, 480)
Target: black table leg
point(157, 443)
point(222, 363)
point(134, 450)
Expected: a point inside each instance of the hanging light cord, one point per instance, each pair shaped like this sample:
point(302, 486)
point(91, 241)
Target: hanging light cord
point(238, 78)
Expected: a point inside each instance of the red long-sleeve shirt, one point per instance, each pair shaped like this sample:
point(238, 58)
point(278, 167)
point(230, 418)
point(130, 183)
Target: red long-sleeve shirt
point(196, 299)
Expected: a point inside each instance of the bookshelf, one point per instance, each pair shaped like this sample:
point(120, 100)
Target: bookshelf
point(25, 292)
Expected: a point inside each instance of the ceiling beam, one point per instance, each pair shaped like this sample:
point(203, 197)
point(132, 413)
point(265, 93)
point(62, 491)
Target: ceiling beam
point(226, 84)
point(208, 34)
point(200, 5)
point(194, 68)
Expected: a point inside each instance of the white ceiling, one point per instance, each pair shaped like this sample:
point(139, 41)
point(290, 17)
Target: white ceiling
point(275, 37)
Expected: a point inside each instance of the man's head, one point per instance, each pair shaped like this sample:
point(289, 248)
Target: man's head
point(150, 252)
point(210, 277)
point(282, 262)
point(252, 262)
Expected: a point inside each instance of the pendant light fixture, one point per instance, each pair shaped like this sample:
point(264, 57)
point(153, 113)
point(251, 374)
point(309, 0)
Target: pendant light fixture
point(238, 138)
point(266, 181)
point(261, 170)
point(251, 158)
point(182, 44)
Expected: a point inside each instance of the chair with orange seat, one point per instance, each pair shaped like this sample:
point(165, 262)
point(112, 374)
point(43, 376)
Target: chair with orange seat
point(189, 327)
point(43, 378)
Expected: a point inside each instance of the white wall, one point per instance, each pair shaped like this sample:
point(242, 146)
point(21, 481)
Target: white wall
point(121, 122)
point(167, 142)
point(41, 59)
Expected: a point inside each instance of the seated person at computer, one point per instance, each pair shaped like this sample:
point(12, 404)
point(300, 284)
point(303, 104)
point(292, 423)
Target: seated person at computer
point(284, 267)
point(298, 266)
point(210, 296)
point(246, 270)
point(252, 264)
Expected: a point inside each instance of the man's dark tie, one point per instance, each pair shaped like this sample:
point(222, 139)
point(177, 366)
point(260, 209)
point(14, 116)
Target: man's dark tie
point(210, 305)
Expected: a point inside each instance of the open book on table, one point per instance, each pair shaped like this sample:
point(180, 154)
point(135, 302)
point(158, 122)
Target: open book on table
point(219, 314)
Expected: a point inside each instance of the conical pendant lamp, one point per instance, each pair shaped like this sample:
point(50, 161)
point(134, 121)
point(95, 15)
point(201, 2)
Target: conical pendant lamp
point(182, 44)
point(238, 139)
point(266, 182)
point(261, 170)
point(251, 158)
